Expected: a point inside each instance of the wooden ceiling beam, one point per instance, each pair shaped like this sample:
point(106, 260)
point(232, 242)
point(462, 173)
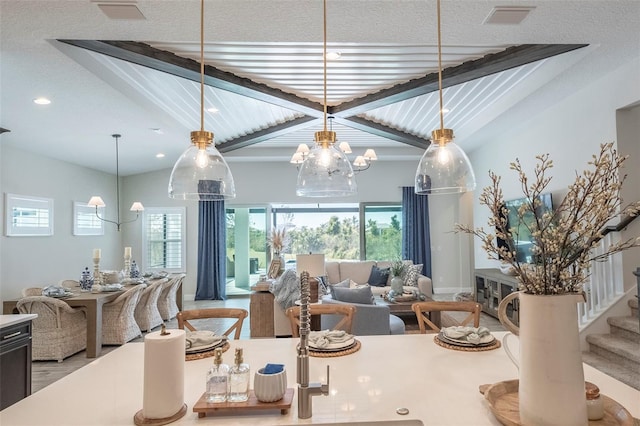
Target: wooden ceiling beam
point(268, 133)
point(161, 60)
point(383, 131)
point(511, 57)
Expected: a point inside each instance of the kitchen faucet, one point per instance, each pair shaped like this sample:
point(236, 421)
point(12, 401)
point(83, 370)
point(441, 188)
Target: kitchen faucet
point(306, 390)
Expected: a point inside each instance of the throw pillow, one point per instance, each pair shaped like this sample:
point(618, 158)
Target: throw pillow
point(353, 295)
point(410, 275)
point(378, 276)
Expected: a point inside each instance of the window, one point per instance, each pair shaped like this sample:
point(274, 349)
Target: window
point(382, 232)
point(163, 238)
point(85, 221)
point(28, 216)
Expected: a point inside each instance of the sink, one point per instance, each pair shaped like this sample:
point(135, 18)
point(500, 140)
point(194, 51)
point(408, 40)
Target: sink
point(380, 423)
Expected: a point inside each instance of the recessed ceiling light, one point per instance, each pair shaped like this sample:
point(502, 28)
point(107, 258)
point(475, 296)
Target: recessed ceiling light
point(508, 15)
point(213, 110)
point(41, 101)
point(332, 56)
point(157, 130)
point(159, 155)
point(445, 110)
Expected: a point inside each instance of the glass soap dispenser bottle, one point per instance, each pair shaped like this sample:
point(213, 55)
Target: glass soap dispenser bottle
point(239, 379)
point(218, 379)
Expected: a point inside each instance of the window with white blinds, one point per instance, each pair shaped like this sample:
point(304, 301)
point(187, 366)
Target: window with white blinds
point(164, 239)
point(28, 216)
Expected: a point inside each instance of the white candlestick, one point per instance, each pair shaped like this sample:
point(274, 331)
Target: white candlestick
point(127, 252)
point(96, 253)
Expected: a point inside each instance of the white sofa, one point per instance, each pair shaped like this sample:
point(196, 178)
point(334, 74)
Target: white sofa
point(338, 271)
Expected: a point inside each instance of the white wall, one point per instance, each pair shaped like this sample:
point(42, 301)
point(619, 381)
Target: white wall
point(41, 261)
point(570, 131)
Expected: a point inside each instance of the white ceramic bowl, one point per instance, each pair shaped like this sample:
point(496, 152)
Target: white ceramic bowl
point(270, 387)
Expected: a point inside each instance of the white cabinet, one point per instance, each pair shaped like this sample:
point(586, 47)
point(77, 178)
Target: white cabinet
point(491, 286)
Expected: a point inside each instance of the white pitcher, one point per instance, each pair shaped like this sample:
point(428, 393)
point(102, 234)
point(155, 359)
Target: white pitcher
point(551, 384)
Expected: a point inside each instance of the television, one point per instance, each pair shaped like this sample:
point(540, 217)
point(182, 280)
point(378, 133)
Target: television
point(520, 227)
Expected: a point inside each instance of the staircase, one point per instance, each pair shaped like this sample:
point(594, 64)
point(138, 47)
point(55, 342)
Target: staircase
point(618, 353)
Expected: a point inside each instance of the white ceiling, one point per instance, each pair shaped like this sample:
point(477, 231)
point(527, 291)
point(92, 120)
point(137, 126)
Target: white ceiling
point(279, 43)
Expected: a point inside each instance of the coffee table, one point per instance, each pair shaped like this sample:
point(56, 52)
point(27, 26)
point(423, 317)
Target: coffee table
point(404, 308)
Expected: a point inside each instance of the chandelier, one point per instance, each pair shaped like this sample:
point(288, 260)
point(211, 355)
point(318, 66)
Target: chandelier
point(325, 171)
point(96, 201)
point(444, 167)
point(201, 173)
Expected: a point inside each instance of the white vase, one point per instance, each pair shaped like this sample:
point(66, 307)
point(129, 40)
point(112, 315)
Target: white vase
point(397, 285)
point(551, 383)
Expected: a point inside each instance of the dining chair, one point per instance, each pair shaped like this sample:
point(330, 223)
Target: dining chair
point(59, 330)
point(69, 283)
point(146, 313)
point(167, 304)
point(32, 291)
point(118, 321)
point(347, 312)
point(426, 323)
point(186, 319)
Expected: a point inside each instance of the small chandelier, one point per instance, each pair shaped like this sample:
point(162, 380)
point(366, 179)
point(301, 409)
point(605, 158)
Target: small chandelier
point(201, 173)
point(361, 163)
point(325, 171)
point(96, 201)
point(444, 167)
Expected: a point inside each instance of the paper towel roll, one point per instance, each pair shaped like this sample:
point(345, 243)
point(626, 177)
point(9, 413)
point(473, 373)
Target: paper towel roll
point(163, 394)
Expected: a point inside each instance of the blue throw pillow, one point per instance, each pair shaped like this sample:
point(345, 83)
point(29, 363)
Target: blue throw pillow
point(361, 294)
point(378, 276)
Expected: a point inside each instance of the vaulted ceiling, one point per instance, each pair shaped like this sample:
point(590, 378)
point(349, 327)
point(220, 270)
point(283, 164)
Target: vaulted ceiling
point(138, 75)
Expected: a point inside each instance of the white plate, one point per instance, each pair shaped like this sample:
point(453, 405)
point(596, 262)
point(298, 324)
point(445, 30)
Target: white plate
point(333, 346)
point(205, 347)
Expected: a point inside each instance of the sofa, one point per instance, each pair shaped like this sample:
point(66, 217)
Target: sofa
point(370, 318)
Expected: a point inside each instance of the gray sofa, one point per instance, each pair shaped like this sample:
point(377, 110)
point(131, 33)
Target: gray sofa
point(370, 319)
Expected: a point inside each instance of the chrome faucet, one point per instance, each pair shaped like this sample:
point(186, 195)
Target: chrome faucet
point(306, 390)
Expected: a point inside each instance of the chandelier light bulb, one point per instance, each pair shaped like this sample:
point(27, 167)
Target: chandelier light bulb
point(202, 159)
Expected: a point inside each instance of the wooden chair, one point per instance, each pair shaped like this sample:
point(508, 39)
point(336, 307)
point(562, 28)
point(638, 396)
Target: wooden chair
point(167, 304)
point(184, 318)
point(345, 310)
point(146, 313)
point(118, 321)
point(59, 330)
point(422, 310)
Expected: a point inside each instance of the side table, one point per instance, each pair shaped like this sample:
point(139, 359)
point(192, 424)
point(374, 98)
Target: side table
point(261, 311)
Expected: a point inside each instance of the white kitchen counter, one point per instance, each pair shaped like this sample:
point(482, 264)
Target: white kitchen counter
point(439, 386)
point(7, 320)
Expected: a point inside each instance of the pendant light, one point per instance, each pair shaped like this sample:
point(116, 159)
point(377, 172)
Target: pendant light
point(326, 171)
point(444, 167)
point(97, 202)
point(201, 173)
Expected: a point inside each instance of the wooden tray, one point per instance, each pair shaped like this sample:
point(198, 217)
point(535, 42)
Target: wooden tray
point(503, 401)
point(204, 408)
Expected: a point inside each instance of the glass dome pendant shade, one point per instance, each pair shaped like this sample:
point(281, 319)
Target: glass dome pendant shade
point(326, 172)
point(201, 173)
point(444, 167)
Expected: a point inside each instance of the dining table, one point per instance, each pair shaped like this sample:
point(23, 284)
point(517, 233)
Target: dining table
point(434, 385)
point(92, 304)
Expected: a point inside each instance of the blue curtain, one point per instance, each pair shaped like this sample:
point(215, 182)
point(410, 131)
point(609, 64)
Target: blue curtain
point(416, 239)
point(212, 246)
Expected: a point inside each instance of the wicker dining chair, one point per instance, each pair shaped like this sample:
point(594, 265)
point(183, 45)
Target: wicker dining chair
point(167, 304)
point(146, 313)
point(32, 291)
point(347, 312)
point(118, 321)
point(59, 330)
point(186, 319)
point(422, 310)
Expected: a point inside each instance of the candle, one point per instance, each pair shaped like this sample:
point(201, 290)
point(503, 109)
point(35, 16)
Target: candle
point(127, 252)
point(96, 253)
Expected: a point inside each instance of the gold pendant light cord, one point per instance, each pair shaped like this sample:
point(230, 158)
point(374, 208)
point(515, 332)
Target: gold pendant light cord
point(202, 65)
point(324, 61)
point(440, 69)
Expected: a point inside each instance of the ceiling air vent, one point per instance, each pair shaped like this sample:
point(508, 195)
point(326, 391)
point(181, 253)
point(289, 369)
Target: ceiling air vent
point(121, 11)
point(508, 15)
